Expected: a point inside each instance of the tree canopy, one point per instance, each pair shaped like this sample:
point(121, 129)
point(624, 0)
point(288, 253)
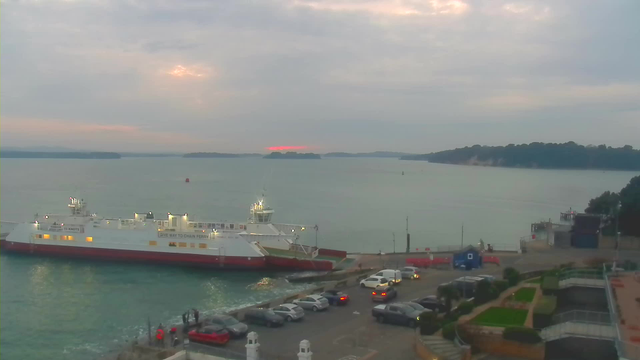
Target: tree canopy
point(539, 155)
point(629, 211)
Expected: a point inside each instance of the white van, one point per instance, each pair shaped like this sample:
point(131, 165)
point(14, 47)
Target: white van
point(394, 276)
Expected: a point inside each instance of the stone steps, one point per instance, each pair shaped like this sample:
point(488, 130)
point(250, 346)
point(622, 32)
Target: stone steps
point(443, 347)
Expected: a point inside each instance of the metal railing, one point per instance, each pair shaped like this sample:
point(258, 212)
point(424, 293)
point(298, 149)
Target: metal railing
point(578, 329)
point(583, 316)
point(626, 350)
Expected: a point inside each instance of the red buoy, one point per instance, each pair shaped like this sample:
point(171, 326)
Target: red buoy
point(186, 180)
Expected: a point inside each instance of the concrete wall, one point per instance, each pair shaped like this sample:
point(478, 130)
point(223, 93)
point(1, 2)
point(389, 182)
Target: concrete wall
point(496, 345)
point(626, 242)
point(582, 349)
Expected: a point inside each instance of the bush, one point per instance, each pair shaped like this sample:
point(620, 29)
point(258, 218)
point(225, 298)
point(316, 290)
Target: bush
point(484, 292)
point(521, 334)
point(550, 285)
point(630, 265)
point(450, 317)
point(511, 275)
point(501, 286)
point(428, 323)
point(449, 331)
point(465, 307)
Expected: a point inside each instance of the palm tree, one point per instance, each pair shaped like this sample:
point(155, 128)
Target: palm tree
point(450, 294)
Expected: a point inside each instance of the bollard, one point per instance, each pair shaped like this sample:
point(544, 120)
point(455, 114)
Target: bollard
point(305, 350)
point(252, 346)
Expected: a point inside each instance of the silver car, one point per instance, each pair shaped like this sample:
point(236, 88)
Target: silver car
point(289, 312)
point(410, 272)
point(312, 302)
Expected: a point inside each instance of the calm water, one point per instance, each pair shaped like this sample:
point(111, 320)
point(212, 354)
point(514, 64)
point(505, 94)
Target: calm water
point(78, 309)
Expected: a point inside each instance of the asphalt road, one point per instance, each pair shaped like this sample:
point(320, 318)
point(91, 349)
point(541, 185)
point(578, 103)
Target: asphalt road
point(350, 332)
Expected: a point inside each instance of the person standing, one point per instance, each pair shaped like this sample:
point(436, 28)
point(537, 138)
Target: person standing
point(196, 315)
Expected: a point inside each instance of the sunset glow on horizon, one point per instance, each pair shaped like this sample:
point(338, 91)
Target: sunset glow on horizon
point(281, 148)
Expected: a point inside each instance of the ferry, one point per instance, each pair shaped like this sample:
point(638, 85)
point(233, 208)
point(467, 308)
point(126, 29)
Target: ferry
point(255, 245)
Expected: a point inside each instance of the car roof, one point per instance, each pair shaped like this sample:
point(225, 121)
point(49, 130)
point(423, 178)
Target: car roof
point(213, 327)
point(375, 277)
point(221, 317)
point(387, 288)
point(290, 306)
point(315, 296)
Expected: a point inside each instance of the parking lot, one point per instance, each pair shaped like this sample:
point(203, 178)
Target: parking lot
point(350, 332)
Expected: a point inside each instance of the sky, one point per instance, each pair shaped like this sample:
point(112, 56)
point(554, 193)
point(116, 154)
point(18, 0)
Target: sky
point(320, 75)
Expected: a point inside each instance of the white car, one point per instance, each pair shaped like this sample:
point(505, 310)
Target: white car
point(312, 302)
point(374, 281)
point(289, 312)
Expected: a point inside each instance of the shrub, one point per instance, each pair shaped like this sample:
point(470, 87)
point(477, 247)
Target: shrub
point(450, 294)
point(484, 292)
point(450, 317)
point(429, 323)
point(465, 307)
point(521, 334)
point(511, 275)
point(630, 265)
point(550, 285)
point(449, 331)
point(501, 286)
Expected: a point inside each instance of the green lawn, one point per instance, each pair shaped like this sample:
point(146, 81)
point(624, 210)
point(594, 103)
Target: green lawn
point(525, 294)
point(533, 281)
point(501, 317)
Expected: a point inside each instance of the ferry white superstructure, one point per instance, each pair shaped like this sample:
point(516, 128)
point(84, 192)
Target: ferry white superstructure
point(255, 244)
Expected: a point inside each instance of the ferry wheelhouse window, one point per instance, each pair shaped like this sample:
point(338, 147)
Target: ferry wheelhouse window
point(172, 244)
point(63, 237)
point(192, 245)
point(46, 236)
point(70, 238)
point(202, 246)
point(153, 243)
point(182, 244)
point(231, 226)
point(89, 238)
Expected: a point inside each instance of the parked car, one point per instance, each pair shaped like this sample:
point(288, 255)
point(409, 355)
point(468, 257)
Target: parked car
point(264, 317)
point(289, 312)
point(374, 281)
point(410, 272)
point(491, 278)
point(415, 306)
point(394, 276)
point(336, 297)
point(396, 314)
point(312, 302)
point(431, 302)
point(384, 293)
point(229, 323)
point(466, 287)
point(212, 334)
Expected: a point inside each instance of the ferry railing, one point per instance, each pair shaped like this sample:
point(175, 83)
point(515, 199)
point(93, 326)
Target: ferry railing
point(626, 350)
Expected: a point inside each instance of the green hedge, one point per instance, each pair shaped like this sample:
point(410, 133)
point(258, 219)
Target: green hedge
point(465, 307)
point(521, 334)
point(550, 284)
point(501, 285)
point(511, 275)
point(449, 331)
point(429, 323)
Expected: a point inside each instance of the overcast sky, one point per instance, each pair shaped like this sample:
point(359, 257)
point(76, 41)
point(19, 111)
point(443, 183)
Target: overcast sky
point(332, 75)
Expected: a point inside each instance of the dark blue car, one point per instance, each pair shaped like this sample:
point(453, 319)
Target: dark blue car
point(335, 297)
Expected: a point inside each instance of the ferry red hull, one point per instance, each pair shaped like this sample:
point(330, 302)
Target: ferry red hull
point(225, 262)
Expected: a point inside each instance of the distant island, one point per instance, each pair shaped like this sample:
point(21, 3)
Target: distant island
point(57, 155)
point(539, 155)
point(375, 154)
point(217, 155)
point(291, 155)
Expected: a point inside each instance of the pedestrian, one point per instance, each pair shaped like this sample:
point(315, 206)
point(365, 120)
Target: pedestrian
point(184, 319)
point(188, 315)
point(196, 315)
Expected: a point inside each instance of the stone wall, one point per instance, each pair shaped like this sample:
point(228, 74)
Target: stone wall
point(626, 242)
point(496, 345)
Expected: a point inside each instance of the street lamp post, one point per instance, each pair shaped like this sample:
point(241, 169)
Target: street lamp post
point(617, 231)
point(394, 242)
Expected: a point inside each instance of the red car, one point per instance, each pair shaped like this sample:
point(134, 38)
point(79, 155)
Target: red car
point(212, 334)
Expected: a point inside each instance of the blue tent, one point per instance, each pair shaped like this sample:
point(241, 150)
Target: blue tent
point(470, 257)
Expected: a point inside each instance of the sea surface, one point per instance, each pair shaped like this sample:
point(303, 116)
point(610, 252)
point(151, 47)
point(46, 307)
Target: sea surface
point(69, 309)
